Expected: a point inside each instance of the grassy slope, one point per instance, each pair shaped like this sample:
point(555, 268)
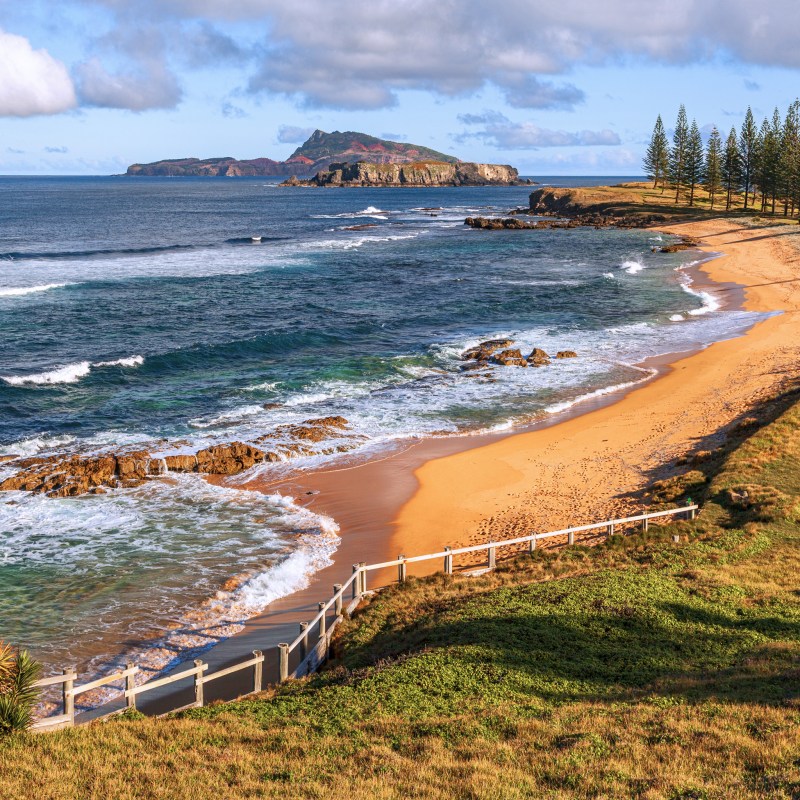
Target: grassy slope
point(641, 199)
point(636, 669)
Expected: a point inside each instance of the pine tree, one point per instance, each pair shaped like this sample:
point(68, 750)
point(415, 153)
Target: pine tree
point(731, 167)
point(761, 166)
point(789, 162)
point(712, 178)
point(748, 138)
point(693, 162)
point(656, 159)
point(774, 156)
point(677, 155)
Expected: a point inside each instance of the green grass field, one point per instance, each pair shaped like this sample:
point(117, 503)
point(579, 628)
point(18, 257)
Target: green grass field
point(639, 668)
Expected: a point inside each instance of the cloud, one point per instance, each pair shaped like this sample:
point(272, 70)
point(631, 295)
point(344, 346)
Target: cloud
point(233, 112)
point(395, 137)
point(291, 134)
point(145, 87)
point(751, 86)
point(31, 81)
point(206, 46)
point(499, 131)
point(56, 150)
point(530, 92)
point(358, 54)
point(14, 150)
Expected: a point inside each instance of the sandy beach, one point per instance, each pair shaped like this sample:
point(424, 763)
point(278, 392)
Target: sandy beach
point(587, 464)
point(591, 462)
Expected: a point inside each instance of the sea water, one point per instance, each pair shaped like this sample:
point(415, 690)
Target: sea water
point(141, 312)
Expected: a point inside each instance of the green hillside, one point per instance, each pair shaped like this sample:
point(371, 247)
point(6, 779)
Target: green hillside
point(640, 668)
point(350, 145)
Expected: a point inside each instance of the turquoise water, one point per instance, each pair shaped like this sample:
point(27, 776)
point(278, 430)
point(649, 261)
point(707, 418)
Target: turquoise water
point(135, 312)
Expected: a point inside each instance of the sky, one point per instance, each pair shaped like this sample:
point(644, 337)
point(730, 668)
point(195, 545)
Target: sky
point(554, 88)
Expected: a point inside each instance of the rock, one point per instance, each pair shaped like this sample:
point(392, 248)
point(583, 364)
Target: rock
point(509, 358)
point(185, 463)
point(538, 358)
point(228, 459)
point(271, 406)
point(566, 354)
point(415, 173)
point(133, 466)
point(3, 459)
point(482, 351)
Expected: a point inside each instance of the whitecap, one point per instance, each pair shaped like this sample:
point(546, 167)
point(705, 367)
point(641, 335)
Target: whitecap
point(69, 373)
point(632, 266)
point(20, 291)
point(677, 318)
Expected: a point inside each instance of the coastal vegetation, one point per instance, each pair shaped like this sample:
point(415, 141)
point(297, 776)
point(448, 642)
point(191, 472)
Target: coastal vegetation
point(635, 668)
point(18, 695)
point(760, 163)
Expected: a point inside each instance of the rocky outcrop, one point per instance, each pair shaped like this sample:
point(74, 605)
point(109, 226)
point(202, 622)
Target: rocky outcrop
point(509, 358)
point(73, 475)
point(418, 173)
point(486, 353)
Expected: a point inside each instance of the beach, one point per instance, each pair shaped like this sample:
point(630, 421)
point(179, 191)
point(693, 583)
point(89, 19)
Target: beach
point(592, 462)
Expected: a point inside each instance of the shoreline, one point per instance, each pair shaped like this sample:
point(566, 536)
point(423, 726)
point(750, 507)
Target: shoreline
point(376, 503)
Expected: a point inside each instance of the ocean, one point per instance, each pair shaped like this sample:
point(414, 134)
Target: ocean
point(140, 312)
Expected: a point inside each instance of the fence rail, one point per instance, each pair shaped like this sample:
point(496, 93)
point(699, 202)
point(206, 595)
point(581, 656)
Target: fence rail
point(311, 655)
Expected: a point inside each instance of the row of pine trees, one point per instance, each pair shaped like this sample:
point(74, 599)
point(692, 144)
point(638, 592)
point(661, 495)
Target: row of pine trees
point(761, 163)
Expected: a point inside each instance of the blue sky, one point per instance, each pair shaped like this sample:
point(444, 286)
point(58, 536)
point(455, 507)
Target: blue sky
point(90, 86)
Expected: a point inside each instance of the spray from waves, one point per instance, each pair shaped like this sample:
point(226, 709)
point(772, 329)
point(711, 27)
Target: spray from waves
point(632, 266)
point(21, 291)
point(709, 302)
point(370, 211)
point(69, 373)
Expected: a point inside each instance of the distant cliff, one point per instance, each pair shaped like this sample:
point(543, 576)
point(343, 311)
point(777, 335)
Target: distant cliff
point(315, 154)
point(418, 173)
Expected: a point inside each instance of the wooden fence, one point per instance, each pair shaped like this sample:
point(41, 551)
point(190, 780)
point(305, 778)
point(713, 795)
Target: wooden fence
point(311, 655)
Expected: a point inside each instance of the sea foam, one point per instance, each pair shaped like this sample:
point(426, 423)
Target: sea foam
point(21, 291)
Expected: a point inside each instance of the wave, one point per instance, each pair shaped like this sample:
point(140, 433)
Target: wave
point(68, 254)
point(21, 291)
point(632, 266)
point(69, 373)
point(567, 404)
point(354, 243)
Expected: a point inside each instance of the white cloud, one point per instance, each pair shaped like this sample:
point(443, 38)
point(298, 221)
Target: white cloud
point(497, 130)
point(359, 54)
point(150, 85)
point(31, 81)
point(291, 134)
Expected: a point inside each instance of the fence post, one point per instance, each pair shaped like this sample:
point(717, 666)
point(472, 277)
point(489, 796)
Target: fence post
point(646, 524)
point(66, 694)
point(356, 581)
point(532, 544)
point(448, 561)
point(322, 620)
point(304, 641)
point(610, 531)
point(283, 670)
point(198, 683)
point(693, 513)
point(363, 571)
point(571, 537)
point(401, 569)
point(492, 550)
point(130, 685)
point(258, 671)
point(337, 602)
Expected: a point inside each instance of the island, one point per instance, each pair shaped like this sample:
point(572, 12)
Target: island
point(316, 154)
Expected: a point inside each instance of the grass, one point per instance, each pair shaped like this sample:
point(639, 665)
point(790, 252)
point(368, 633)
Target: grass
point(633, 669)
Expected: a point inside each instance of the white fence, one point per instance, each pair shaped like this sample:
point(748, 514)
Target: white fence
point(311, 655)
